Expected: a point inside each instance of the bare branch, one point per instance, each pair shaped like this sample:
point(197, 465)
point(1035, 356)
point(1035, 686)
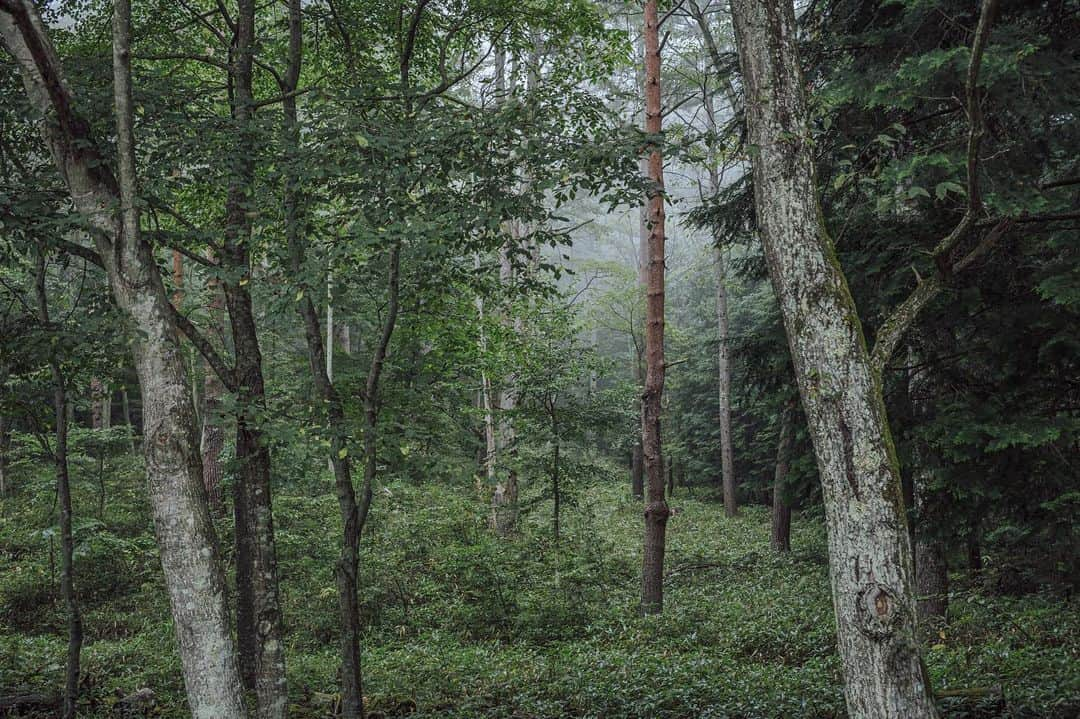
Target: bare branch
point(903, 317)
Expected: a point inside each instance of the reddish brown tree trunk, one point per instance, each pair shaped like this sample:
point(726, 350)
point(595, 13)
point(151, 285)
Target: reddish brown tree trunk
point(656, 508)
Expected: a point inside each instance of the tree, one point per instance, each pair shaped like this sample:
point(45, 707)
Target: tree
point(870, 553)
point(186, 539)
point(63, 496)
point(780, 537)
point(656, 508)
point(723, 364)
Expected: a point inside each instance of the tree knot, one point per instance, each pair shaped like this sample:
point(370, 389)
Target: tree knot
point(657, 511)
point(878, 611)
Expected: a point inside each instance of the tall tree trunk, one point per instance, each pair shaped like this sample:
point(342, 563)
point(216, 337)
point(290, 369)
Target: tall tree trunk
point(723, 362)
point(258, 605)
point(186, 542)
point(974, 551)
point(781, 510)
point(504, 499)
point(353, 513)
point(490, 446)
point(723, 365)
point(869, 550)
point(656, 508)
point(63, 495)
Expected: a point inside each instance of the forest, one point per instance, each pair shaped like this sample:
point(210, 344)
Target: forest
point(530, 359)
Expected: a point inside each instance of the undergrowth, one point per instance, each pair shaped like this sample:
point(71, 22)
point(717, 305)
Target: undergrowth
point(462, 625)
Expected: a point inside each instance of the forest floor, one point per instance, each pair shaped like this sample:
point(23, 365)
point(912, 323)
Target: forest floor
point(460, 624)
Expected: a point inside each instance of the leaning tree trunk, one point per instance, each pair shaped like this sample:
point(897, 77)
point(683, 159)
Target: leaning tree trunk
point(656, 508)
point(869, 550)
point(781, 510)
point(187, 545)
point(63, 496)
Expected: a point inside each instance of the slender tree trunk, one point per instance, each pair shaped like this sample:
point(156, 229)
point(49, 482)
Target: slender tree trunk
point(723, 363)
point(931, 566)
point(213, 433)
point(490, 447)
point(974, 551)
point(637, 458)
point(258, 604)
point(504, 499)
point(63, 495)
point(727, 460)
point(126, 403)
point(656, 508)
point(187, 545)
point(781, 510)
point(870, 553)
point(353, 513)
point(556, 490)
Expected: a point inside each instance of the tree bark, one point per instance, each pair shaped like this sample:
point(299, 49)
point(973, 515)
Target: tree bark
point(781, 510)
point(490, 446)
point(213, 433)
point(656, 508)
point(723, 370)
point(504, 499)
point(262, 659)
point(870, 553)
point(186, 542)
point(353, 513)
point(63, 496)
point(723, 362)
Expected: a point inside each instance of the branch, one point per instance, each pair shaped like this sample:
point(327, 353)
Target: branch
point(161, 237)
point(903, 317)
point(670, 12)
point(282, 97)
point(207, 350)
point(976, 130)
point(77, 250)
point(1063, 182)
point(204, 59)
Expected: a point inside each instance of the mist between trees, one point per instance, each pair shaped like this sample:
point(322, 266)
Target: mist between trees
point(485, 359)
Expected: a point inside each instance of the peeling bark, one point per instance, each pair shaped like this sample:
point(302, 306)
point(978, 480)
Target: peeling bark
point(870, 556)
